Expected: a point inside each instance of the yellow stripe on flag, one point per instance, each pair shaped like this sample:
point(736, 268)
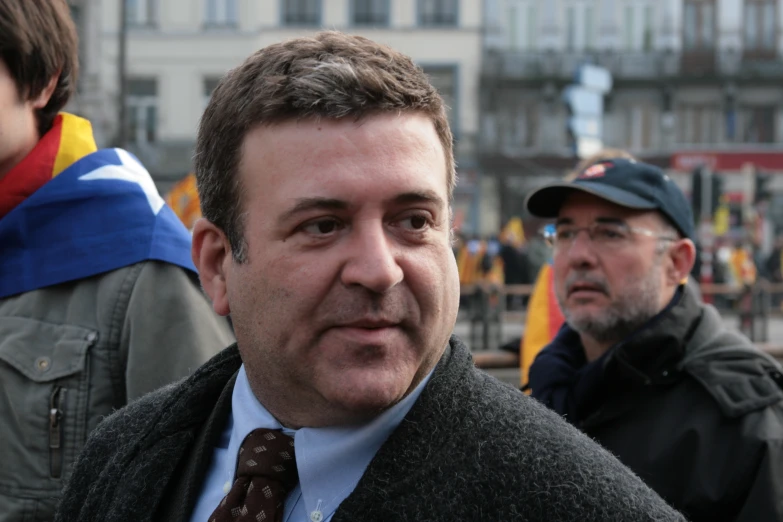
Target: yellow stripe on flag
point(76, 142)
point(543, 320)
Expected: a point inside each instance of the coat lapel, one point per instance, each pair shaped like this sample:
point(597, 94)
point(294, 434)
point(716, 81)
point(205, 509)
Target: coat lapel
point(187, 480)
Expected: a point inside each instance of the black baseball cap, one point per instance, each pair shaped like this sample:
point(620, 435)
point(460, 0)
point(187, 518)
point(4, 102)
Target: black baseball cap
point(624, 182)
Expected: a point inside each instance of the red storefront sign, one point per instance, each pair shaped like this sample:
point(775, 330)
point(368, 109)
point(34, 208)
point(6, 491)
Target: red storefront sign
point(686, 161)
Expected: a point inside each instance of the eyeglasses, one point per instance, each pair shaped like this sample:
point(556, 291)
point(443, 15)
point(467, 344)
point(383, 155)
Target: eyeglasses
point(603, 235)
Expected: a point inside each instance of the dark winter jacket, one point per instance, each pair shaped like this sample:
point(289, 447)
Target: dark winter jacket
point(471, 448)
point(693, 408)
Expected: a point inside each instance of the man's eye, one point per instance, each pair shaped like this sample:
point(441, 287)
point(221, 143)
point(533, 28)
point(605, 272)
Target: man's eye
point(416, 222)
point(321, 227)
point(565, 234)
point(609, 233)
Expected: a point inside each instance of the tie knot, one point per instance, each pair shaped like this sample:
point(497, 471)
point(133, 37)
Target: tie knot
point(270, 454)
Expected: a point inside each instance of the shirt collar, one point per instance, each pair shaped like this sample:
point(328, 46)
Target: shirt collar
point(330, 460)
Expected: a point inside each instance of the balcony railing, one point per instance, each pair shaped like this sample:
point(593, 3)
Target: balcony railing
point(631, 65)
point(517, 65)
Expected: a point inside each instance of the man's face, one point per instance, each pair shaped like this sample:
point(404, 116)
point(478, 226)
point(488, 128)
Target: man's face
point(18, 130)
point(350, 289)
point(608, 288)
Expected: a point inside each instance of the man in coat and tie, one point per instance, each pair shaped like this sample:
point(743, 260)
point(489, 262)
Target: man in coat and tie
point(325, 171)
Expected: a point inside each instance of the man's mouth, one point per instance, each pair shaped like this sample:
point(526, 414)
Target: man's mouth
point(371, 324)
point(376, 331)
point(578, 288)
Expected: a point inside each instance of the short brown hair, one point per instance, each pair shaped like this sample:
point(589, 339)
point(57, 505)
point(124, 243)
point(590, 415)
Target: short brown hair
point(38, 41)
point(329, 75)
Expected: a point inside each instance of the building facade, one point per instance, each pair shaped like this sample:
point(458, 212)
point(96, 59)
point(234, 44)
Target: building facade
point(696, 82)
point(177, 50)
point(89, 100)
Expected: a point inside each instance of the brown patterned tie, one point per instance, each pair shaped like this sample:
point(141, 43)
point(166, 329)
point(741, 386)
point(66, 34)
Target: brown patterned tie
point(266, 472)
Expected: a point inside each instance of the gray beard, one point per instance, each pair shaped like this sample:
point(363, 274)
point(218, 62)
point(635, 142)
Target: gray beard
point(629, 311)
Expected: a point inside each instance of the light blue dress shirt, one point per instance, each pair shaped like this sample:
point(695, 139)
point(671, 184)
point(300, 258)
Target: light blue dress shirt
point(330, 460)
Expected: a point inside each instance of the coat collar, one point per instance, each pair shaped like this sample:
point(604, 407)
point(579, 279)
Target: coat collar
point(651, 355)
point(219, 376)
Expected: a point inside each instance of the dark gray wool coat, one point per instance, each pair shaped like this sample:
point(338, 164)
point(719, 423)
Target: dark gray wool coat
point(471, 448)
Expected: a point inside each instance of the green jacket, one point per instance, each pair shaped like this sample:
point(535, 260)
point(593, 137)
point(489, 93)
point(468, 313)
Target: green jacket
point(73, 353)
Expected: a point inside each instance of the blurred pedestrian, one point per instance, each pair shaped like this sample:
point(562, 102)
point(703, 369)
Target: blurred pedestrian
point(512, 239)
point(325, 172)
point(99, 300)
point(773, 267)
point(642, 365)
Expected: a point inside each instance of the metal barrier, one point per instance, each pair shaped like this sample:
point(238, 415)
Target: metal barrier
point(486, 314)
point(486, 307)
point(753, 304)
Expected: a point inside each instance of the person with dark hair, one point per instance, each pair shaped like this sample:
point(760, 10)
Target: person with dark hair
point(325, 170)
point(95, 270)
point(642, 365)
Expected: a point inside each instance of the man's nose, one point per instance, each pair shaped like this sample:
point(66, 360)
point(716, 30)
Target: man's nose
point(372, 261)
point(581, 252)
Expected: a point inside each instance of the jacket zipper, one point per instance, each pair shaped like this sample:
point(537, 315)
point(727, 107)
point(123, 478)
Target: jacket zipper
point(56, 412)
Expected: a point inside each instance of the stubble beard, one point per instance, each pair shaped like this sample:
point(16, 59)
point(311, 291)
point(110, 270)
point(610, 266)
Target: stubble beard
point(637, 303)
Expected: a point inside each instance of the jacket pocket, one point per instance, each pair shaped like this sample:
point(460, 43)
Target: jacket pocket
point(43, 398)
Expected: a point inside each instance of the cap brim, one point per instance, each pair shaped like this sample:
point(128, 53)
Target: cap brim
point(546, 201)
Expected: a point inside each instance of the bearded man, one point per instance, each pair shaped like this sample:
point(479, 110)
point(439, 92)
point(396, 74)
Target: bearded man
point(642, 365)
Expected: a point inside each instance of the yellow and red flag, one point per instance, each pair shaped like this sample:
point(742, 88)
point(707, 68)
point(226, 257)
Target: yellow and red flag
point(544, 319)
point(183, 199)
point(69, 140)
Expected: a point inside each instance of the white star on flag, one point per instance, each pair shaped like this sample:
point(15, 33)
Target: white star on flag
point(130, 170)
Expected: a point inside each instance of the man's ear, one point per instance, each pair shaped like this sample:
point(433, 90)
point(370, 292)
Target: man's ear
point(683, 256)
point(211, 253)
point(40, 101)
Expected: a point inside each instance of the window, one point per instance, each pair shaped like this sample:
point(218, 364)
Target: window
point(759, 26)
point(699, 24)
point(629, 29)
point(518, 127)
point(638, 23)
point(209, 85)
point(532, 26)
point(444, 79)
point(142, 111)
point(589, 27)
point(438, 12)
point(301, 12)
point(513, 27)
point(571, 27)
point(78, 16)
point(521, 25)
point(638, 131)
point(698, 124)
point(579, 29)
point(221, 13)
point(649, 14)
point(758, 124)
point(371, 12)
point(140, 12)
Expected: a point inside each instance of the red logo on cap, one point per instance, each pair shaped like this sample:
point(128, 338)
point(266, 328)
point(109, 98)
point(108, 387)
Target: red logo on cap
point(595, 171)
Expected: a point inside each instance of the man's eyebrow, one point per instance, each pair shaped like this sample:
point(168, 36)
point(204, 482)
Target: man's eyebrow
point(313, 203)
point(610, 220)
point(321, 203)
point(423, 196)
point(564, 221)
